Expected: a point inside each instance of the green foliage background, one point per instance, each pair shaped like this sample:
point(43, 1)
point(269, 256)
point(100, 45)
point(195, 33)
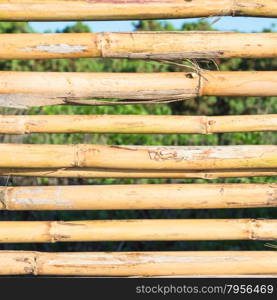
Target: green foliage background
point(199, 106)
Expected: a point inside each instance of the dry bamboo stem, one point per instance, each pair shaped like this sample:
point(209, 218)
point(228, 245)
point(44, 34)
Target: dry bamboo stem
point(26, 89)
point(137, 230)
point(112, 173)
point(162, 196)
point(57, 10)
point(182, 263)
point(20, 124)
point(139, 45)
point(138, 157)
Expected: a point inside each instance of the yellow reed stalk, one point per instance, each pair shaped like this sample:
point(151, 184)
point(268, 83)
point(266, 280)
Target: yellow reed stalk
point(27, 89)
point(113, 173)
point(181, 263)
point(147, 196)
point(137, 230)
point(138, 45)
point(24, 124)
point(61, 10)
point(138, 157)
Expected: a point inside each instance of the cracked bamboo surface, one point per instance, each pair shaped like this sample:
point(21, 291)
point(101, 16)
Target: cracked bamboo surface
point(113, 173)
point(24, 124)
point(139, 45)
point(137, 230)
point(57, 10)
point(138, 157)
point(147, 196)
point(27, 89)
point(182, 263)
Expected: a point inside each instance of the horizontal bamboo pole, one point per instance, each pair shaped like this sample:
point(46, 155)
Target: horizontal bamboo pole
point(58, 10)
point(24, 124)
point(137, 230)
point(182, 263)
point(113, 173)
point(138, 157)
point(27, 89)
point(147, 196)
point(139, 45)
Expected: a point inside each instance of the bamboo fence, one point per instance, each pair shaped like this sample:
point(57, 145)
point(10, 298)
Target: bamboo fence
point(24, 124)
point(138, 157)
point(139, 263)
point(139, 45)
point(58, 10)
point(27, 89)
point(121, 173)
point(147, 196)
point(137, 230)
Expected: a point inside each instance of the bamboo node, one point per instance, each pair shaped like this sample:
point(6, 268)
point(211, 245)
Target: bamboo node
point(59, 238)
point(30, 261)
point(54, 229)
point(80, 156)
point(23, 127)
point(272, 194)
point(208, 176)
point(3, 198)
point(207, 125)
point(235, 8)
point(103, 42)
point(253, 226)
point(237, 5)
point(52, 236)
point(35, 264)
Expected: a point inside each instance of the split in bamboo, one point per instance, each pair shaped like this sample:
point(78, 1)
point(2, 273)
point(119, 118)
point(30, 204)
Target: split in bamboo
point(113, 173)
point(147, 196)
point(181, 263)
point(24, 124)
point(62, 10)
point(27, 89)
point(137, 230)
point(139, 45)
point(138, 157)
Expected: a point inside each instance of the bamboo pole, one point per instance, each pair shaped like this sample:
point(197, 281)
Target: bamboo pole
point(161, 196)
point(138, 157)
point(137, 230)
point(27, 89)
point(139, 45)
point(182, 263)
point(113, 173)
point(24, 124)
point(62, 10)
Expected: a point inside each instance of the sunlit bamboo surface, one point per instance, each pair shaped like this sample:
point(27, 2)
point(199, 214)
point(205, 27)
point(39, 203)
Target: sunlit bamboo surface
point(58, 10)
point(137, 230)
point(27, 89)
point(138, 45)
point(146, 196)
point(139, 263)
point(24, 124)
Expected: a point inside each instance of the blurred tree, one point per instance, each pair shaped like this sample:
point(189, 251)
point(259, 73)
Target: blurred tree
point(78, 27)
